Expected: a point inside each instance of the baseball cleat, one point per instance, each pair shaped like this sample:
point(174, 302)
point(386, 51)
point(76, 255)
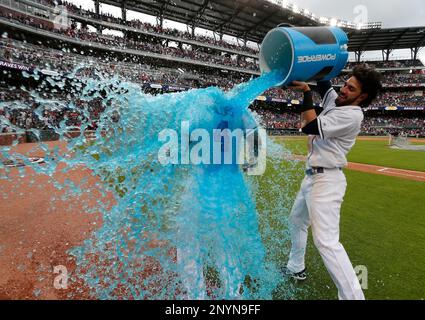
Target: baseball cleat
point(302, 275)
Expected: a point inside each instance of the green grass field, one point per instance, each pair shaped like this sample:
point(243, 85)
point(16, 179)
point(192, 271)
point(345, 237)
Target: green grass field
point(382, 228)
point(382, 224)
point(370, 152)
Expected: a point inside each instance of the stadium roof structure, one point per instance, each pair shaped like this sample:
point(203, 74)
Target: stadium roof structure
point(386, 39)
point(245, 19)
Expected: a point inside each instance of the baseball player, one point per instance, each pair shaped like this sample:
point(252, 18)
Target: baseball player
point(332, 134)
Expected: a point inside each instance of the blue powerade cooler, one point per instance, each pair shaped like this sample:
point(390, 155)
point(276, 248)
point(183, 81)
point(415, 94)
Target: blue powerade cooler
point(304, 54)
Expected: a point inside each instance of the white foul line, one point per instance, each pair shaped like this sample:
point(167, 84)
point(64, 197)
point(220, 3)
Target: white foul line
point(404, 174)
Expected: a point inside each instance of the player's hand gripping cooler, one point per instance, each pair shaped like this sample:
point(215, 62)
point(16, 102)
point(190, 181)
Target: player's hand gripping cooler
point(304, 54)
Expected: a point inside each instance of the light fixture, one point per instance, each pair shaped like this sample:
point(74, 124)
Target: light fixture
point(323, 20)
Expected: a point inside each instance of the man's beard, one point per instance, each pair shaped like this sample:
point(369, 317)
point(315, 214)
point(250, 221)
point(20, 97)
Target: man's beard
point(341, 102)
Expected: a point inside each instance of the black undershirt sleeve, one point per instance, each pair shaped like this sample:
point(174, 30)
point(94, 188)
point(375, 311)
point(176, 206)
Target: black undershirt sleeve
point(307, 102)
point(323, 87)
point(311, 128)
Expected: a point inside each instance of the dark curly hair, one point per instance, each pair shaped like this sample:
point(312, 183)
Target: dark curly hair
point(370, 80)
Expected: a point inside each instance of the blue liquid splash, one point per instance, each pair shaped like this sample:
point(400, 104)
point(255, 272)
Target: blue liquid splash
point(176, 231)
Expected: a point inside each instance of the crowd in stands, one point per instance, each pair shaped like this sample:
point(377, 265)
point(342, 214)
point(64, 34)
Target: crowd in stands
point(384, 125)
point(392, 79)
point(26, 112)
point(150, 27)
point(56, 60)
point(64, 62)
point(400, 99)
point(27, 118)
point(289, 95)
point(390, 64)
point(375, 125)
point(23, 112)
point(278, 120)
point(37, 56)
point(225, 59)
point(43, 58)
point(84, 34)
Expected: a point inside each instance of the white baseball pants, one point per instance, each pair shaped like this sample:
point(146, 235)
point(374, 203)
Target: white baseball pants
point(318, 204)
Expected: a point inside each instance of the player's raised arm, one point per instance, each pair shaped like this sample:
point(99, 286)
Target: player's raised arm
point(323, 87)
point(308, 112)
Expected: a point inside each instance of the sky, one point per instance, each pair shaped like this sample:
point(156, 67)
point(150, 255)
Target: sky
point(392, 13)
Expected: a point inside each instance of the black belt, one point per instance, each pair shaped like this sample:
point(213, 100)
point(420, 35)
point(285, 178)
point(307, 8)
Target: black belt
point(316, 170)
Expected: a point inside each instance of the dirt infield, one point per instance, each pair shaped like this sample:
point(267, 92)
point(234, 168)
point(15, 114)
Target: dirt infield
point(360, 138)
point(411, 140)
point(392, 172)
point(35, 233)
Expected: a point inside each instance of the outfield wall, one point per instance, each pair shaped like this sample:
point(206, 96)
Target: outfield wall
point(7, 139)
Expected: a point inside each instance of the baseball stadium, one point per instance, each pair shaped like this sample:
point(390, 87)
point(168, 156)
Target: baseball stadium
point(103, 108)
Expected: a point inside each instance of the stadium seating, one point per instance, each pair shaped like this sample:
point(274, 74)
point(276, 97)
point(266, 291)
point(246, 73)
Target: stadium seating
point(151, 28)
point(404, 88)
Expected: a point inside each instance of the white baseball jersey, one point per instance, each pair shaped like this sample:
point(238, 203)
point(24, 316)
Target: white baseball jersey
point(319, 201)
point(338, 129)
